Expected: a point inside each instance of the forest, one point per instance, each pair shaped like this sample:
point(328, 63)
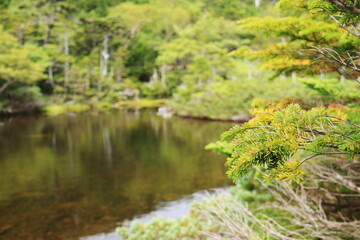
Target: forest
point(287, 71)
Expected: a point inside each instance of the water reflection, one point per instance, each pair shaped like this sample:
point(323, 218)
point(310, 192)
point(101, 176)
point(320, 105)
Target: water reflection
point(77, 175)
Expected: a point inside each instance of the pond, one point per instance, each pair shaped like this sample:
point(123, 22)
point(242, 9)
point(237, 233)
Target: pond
point(71, 176)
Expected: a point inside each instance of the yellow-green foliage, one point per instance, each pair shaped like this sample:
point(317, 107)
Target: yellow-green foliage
point(333, 89)
point(300, 31)
point(276, 137)
point(344, 12)
point(223, 100)
point(56, 109)
point(141, 103)
point(19, 64)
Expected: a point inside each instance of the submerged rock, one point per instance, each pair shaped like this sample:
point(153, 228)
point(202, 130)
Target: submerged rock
point(165, 112)
point(240, 118)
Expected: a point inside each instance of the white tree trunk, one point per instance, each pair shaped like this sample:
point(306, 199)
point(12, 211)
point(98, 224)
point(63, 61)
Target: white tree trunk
point(257, 3)
point(51, 75)
point(105, 56)
point(163, 75)
point(67, 60)
point(155, 76)
point(20, 34)
point(104, 61)
point(50, 26)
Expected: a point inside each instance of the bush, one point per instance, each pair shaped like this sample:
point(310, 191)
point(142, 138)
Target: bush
point(223, 100)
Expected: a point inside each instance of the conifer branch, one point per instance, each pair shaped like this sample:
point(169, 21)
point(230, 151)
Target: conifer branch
point(345, 28)
point(319, 154)
point(327, 116)
point(351, 8)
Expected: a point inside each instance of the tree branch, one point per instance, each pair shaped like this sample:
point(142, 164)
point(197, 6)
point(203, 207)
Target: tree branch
point(319, 154)
point(344, 27)
point(344, 6)
point(353, 124)
point(2, 89)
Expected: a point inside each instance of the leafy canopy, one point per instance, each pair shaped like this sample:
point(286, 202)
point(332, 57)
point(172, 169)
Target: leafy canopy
point(16, 62)
point(310, 43)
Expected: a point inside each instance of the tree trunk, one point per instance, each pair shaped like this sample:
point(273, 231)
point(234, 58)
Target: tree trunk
point(105, 56)
point(163, 75)
point(154, 77)
point(67, 61)
point(51, 75)
point(104, 59)
point(2, 89)
point(20, 34)
point(257, 3)
point(50, 27)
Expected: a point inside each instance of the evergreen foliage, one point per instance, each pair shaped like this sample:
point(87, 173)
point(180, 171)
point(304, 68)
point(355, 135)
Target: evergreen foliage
point(310, 43)
point(277, 139)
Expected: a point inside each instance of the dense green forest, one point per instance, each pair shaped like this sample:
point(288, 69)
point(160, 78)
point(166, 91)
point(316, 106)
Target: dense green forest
point(100, 53)
point(80, 55)
point(296, 64)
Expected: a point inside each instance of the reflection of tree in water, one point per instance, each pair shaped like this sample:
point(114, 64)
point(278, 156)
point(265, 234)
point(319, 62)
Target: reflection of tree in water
point(79, 175)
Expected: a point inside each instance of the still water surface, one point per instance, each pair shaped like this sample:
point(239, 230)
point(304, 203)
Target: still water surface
point(71, 176)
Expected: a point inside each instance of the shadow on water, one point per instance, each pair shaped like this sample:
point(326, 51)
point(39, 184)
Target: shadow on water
point(78, 175)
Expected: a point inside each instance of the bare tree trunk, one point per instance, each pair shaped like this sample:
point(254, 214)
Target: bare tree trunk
point(20, 34)
point(3, 87)
point(51, 75)
point(154, 76)
point(99, 85)
point(163, 75)
point(257, 3)
point(50, 27)
point(88, 74)
point(104, 59)
point(105, 56)
point(67, 61)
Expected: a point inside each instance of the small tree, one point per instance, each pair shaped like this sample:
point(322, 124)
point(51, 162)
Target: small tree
point(283, 139)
